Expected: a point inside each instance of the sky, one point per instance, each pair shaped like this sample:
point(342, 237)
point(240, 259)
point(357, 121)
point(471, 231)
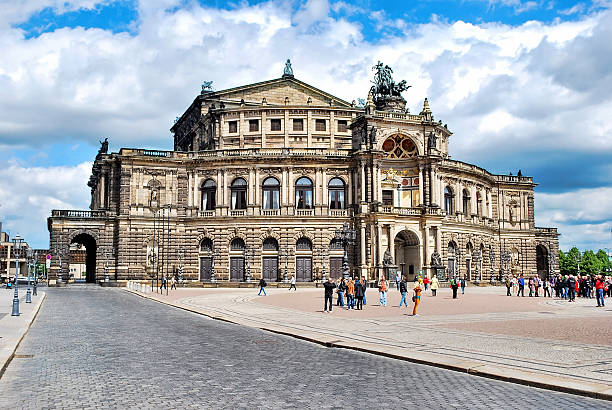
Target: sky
point(522, 85)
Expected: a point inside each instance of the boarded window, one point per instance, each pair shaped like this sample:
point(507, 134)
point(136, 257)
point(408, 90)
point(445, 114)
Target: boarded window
point(233, 127)
point(320, 125)
point(387, 197)
point(342, 125)
point(275, 125)
point(253, 125)
point(298, 124)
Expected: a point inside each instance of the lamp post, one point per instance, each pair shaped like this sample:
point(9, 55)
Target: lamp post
point(29, 260)
point(17, 241)
point(492, 261)
point(34, 293)
point(179, 256)
point(476, 257)
point(286, 252)
point(106, 268)
point(249, 254)
point(504, 260)
point(322, 252)
point(458, 253)
point(347, 236)
point(212, 264)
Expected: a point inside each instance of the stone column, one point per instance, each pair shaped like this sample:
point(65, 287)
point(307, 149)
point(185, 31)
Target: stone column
point(391, 242)
point(421, 198)
point(324, 196)
point(426, 249)
point(332, 128)
point(379, 251)
point(257, 188)
point(263, 128)
point(284, 188)
point(458, 195)
point(189, 189)
point(286, 128)
point(309, 128)
point(242, 126)
point(377, 185)
point(251, 192)
point(291, 198)
point(362, 188)
point(362, 243)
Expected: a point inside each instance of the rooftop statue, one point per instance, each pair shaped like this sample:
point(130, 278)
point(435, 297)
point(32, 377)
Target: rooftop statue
point(207, 87)
point(103, 147)
point(384, 85)
point(288, 70)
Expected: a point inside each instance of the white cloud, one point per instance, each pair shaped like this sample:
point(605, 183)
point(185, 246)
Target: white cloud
point(27, 194)
point(508, 92)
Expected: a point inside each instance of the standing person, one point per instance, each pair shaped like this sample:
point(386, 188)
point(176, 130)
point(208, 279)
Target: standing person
point(454, 286)
point(463, 285)
point(417, 299)
point(173, 282)
point(365, 287)
point(341, 289)
point(508, 286)
point(434, 285)
point(350, 294)
point(600, 285)
point(571, 288)
point(547, 289)
point(329, 293)
point(426, 282)
point(359, 291)
point(398, 279)
point(538, 283)
point(262, 287)
point(530, 286)
point(163, 284)
point(514, 285)
point(521, 286)
point(292, 286)
point(403, 288)
point(382, 290)
point(565, 287)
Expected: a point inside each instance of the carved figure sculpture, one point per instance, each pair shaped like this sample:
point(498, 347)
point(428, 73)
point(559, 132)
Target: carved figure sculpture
point(104, 146)
point(431, 140)
point(288, 70)
point(435, 259)
point(387, 258)
point(384, 85)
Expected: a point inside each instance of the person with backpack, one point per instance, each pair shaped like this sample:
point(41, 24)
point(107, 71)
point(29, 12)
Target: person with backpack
point(359, 292)
point(329, 293)
point(463, 285)
point(262, 287)
point(508, 285)
point(454, 286)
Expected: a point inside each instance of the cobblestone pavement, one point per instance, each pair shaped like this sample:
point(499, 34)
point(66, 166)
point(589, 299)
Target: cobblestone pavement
point(105, 348)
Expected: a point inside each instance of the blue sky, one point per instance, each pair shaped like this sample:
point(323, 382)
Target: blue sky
point(522, 84)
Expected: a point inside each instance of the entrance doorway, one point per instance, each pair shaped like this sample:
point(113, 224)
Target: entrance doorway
point(270, 269)
point(303, 269)
point(407, 255)
point(89, 243)
point(542, 262)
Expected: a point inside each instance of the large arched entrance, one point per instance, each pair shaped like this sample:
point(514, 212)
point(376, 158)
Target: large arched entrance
point(542, 261)
point(89, 243)
point(407, 255)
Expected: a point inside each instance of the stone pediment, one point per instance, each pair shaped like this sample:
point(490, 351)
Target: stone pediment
point(281, 91)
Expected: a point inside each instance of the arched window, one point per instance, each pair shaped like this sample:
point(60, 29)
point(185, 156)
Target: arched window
point(270, 244)
point(237, 244)
point(336, 194)
point(304, 244)
point(466, 202)
point(206, 245)
point(448, 200)
point(479, 204)
point(303, 193)
point(209, 194)
point(271, 193)
point(239, 193)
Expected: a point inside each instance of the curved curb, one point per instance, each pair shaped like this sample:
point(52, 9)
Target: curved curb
point(516, 376)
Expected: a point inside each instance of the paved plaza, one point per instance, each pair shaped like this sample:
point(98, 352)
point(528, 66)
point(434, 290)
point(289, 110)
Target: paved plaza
point(92, 347)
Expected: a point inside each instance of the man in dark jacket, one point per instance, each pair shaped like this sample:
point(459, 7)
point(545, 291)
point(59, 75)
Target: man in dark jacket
point(403, 288)
point(359, 292)
point(329, 293)
point(571, 288)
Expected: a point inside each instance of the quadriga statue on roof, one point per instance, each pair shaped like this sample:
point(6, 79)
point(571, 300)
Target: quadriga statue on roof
point(384, 85)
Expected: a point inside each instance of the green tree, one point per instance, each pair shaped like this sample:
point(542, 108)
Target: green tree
point(605, 260)
point(591, 264)
point(568, 262)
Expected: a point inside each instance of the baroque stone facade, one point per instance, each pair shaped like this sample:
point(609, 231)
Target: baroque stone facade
point(265, 177)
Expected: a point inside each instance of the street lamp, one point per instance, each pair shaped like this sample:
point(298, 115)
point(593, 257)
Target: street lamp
point(347, 236)
point(476, 256)
point(212, 264)
point(322, 252)
point(106, 268)
point(492, 261)
point(504, 260)
point(29, 292)
point(34, 293)
point(179, 256)
point(458, 253)
point(286, 252)
point(17, 241)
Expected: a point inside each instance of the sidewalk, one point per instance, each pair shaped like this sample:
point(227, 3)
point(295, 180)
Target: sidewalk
point(539, 342)
point(14, 328)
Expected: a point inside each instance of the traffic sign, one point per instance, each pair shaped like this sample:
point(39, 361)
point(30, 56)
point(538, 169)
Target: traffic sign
point(48, 256)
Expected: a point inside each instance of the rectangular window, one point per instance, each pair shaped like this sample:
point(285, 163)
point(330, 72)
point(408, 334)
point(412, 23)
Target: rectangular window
point(320, 125)
point(233, 127)
point(342, 125)
point(387, 197)
point(275, 125)
point(253, 125)
point(298, 124)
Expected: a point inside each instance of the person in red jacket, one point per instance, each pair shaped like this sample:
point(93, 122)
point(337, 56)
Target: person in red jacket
point(599, 290)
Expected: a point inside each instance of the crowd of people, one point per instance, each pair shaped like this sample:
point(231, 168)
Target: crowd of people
point(566, 287)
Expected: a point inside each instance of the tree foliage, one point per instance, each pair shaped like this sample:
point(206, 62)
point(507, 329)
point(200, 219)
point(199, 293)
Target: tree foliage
point(590, 263)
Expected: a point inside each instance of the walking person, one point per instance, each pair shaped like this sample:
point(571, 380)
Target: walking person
point(173, 282)
point(416, 299)
point(329, 293)
point(403, 288)
point(454, 286)
point(292, 285)
point(530, 286)
point(398, 279)
point(514, 285)
point(359, 291)
point(463, 285)
point(262, 287)
point(537, 284)
point(365, 287)
point(547, 289)
point(600, 285)
point(521, 286)
point(163, 285)
point(426, 282)
point(341, 289)
point(382, 290)
point(435, 284)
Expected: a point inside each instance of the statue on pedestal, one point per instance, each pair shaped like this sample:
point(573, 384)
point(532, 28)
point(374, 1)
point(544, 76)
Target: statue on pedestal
point(387, 258)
